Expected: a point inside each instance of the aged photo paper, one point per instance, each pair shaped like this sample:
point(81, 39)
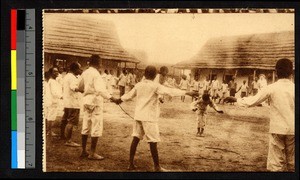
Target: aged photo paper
point(105, 109)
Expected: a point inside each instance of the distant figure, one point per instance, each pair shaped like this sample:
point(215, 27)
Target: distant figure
point(232, 87)
point(281, 155)
point(244, 89)
point(109, 81)
point(254, 86)
point(262, 82)
point(224, 91)
point(215, 85)
point(183, 85)
point(122, 82)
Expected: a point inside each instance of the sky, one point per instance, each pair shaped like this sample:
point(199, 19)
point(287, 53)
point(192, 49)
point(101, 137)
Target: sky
point(171, 38)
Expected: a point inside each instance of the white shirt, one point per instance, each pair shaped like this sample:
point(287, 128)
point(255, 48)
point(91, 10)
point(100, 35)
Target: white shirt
point(215, 84)
point(224, 87)
point(282, 105)
point(183, 84)
point(70, 97)
point(122, 80)
point(94, 87)
point(147, 103)
point(55, 91)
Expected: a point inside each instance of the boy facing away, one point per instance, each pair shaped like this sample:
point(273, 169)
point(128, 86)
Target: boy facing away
point(147, 113)
point(200, 106)
point(281, 155)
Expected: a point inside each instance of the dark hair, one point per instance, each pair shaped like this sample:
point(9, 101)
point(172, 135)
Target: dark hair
point(50, 72)
point(106, 71)
point(150, 72)
point(163, 69)
point(74, 67)
point(94, 60)
point(205, 97)
point(284, 68)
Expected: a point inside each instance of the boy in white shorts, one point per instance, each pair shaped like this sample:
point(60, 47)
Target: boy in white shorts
point(146, 114)
point(94, 90)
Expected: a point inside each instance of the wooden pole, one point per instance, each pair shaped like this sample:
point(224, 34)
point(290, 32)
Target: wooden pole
point(273, 78)
point(254, 74)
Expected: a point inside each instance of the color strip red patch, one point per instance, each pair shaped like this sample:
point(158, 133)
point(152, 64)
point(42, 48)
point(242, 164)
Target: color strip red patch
point(13, 29)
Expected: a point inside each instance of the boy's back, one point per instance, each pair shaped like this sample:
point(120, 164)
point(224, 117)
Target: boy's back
point(147, 102)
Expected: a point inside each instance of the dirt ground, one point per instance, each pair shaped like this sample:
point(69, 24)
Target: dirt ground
point(236, 141)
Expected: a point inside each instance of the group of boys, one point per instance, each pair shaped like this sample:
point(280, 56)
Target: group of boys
point(148, 93)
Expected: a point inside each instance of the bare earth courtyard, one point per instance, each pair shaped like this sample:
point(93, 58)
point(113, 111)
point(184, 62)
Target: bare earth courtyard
point(236, 141)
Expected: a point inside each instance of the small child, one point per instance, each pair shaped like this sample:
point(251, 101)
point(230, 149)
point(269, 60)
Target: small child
point(244, 89)
point(201, 106)
point(224, 90)
point(146, 114)
point(184, 84)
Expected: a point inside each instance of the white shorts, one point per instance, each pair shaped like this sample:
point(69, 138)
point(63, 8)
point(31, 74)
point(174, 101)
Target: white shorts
point(92, 121)
point(51, 112)
point(201, 118)
point(281, 156)
point(148, 129)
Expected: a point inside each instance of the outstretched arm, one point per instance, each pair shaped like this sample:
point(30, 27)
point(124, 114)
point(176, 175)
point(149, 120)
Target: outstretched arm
point(215, 107)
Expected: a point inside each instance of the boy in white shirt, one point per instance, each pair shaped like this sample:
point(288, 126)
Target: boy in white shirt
point(54, 91)
point(147, 113)
point(281, 156)
point(94, 90)
point(71, 104)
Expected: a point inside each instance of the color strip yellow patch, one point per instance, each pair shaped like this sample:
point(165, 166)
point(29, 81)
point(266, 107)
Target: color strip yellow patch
point(13, 69)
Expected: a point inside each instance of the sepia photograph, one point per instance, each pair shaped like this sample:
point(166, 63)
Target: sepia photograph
point(168, 90)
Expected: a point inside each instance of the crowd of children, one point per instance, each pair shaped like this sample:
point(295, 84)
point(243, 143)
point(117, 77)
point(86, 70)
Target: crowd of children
point(149, 93)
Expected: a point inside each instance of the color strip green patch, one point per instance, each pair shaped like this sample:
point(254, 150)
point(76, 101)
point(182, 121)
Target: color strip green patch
point(13, 110)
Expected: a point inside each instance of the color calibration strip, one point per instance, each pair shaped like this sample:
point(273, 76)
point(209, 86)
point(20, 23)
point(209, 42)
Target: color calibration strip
point(19, 91)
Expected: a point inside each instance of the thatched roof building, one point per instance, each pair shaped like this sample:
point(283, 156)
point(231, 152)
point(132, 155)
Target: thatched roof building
point(80, 36)
point(257, 51)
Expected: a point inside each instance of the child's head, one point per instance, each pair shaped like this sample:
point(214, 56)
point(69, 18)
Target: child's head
point(244, 82)
point(284, 68)
point(183, 77)
point(150, 72)
point(163, 70)
point(94, 61)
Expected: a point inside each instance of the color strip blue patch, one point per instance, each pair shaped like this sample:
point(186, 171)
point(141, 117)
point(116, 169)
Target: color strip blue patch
point(14, 150)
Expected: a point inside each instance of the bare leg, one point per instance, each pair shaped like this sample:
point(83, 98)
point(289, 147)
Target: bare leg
point(84, 140)
point(134, 144)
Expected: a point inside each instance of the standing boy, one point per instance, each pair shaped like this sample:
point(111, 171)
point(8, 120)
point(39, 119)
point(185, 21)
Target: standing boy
point(281, 155)
point(94, 92)
point(71, 104)
point(146, 114)
point(54, 91)
point(200, 106)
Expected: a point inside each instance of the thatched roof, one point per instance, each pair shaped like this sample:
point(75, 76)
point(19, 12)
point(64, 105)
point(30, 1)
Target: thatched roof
point(81, 35)
point(257, 51)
